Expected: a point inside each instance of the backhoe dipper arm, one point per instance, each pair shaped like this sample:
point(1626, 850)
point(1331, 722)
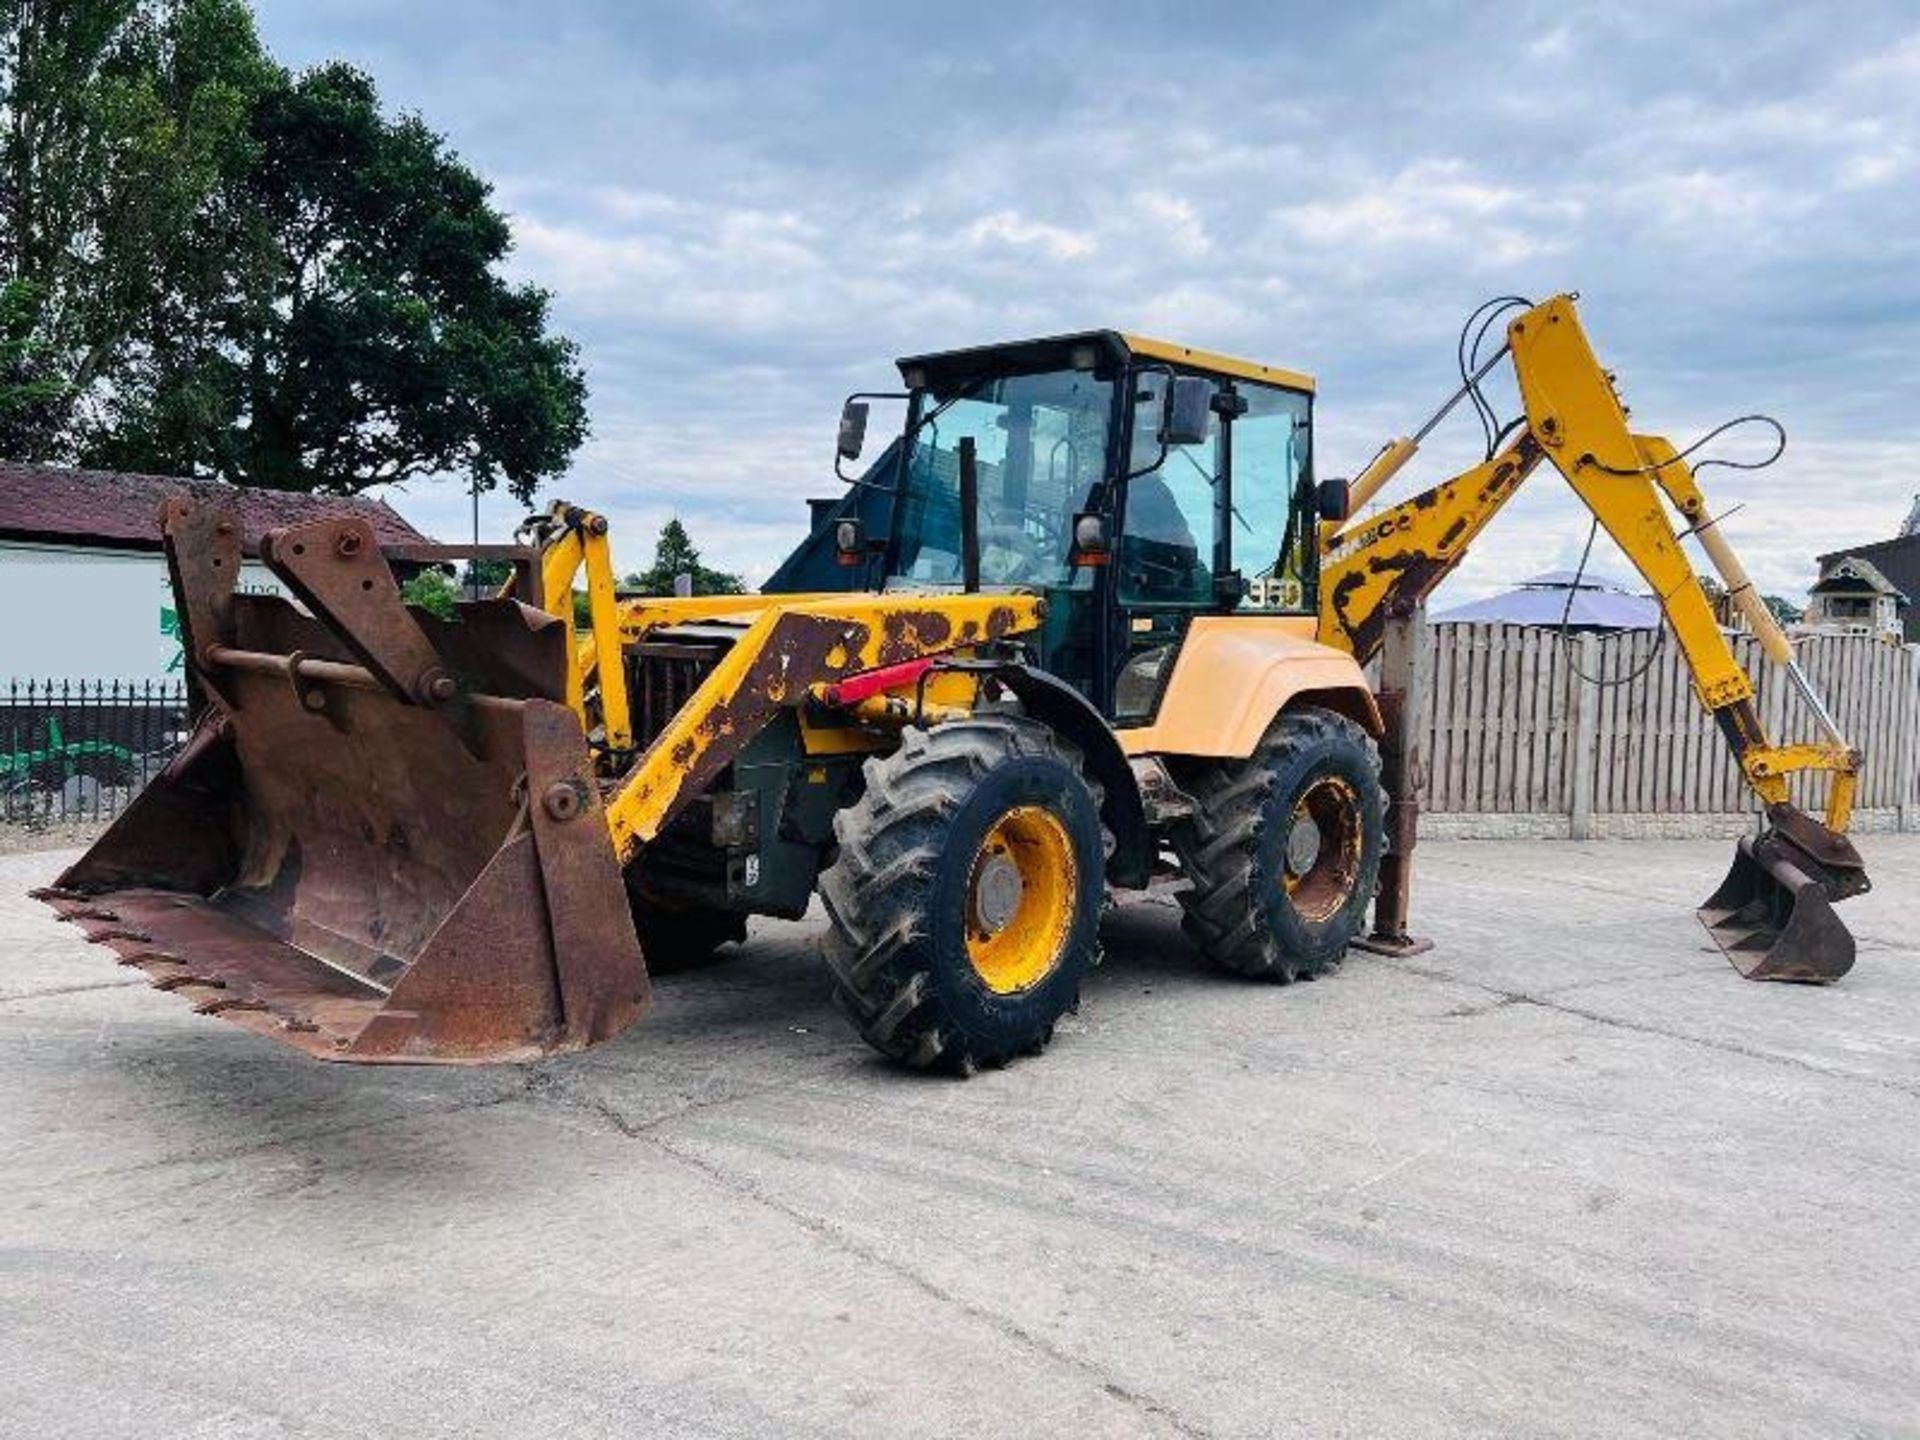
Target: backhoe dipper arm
point(1390, 561)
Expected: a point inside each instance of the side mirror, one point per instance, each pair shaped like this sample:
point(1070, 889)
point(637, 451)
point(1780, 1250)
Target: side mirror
point(1189, 412)
point(849, 541)
point(1090, 543)
point(1333, 500)
point(853, 430)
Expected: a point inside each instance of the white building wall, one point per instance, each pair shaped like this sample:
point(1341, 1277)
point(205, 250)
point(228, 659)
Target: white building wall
point(73, 613)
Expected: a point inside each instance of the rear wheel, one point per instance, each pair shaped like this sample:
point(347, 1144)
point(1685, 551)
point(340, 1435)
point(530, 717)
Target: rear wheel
point(1283, 849)
point(966, 895)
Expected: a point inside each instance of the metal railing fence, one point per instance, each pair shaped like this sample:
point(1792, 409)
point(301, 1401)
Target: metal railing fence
point(80, 750)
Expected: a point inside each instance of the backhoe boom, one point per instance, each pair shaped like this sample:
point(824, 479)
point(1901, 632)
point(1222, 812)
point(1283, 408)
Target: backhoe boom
point(1392, 560)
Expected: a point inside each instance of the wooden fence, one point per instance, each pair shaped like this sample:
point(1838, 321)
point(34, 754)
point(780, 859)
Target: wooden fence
point(1512, 729)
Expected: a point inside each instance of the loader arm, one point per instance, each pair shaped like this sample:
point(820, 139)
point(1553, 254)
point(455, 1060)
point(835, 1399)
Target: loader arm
point(1634, 484)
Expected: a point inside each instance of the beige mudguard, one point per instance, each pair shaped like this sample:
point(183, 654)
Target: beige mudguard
point(1235, 673)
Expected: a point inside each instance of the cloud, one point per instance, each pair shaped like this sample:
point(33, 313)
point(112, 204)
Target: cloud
point(745, 211)
point(1011, 229)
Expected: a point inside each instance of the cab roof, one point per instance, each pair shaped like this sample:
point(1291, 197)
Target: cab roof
point(1087, 350)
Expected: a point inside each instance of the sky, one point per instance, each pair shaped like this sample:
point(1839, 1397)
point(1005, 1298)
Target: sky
point(745, 211)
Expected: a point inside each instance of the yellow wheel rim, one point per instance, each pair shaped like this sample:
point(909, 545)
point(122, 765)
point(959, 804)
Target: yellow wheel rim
point(1020, 899)
point(1322, 856)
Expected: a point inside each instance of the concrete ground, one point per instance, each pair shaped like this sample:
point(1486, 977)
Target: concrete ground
point(1565, 1175)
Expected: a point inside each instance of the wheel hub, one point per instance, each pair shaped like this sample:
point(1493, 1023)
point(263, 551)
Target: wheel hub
point(1020, 899)
point(997, 889)
point(1321, 860)
point(1303, 845)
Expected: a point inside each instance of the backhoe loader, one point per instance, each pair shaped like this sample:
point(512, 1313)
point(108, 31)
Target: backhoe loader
point(1112, 635)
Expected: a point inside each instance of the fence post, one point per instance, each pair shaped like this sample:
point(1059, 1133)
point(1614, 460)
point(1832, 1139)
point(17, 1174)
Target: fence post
point(1586, 736)
point(1908, 813)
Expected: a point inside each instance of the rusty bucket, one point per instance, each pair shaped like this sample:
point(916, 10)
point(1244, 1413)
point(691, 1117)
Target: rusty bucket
point(384, 840)
point(1773, 915)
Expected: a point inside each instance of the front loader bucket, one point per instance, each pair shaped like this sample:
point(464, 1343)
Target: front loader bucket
point(368, 862)
point(1773, 915)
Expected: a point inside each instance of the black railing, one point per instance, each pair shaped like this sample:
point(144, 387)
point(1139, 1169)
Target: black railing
point(79, 750)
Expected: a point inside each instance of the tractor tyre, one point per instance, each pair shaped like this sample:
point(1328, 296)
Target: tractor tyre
point(1283, 848)
point(674, 937)
point(965, 897)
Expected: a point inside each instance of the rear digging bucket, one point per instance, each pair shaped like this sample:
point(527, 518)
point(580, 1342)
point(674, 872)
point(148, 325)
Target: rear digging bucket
point(1773, 915)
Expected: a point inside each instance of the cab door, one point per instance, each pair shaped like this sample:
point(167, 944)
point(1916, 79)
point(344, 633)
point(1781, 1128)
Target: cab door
point(1164, 565)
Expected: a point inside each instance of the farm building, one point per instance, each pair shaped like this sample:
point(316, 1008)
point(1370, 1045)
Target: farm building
point(1895, 562)
point(84, 578)
point(1852, 597)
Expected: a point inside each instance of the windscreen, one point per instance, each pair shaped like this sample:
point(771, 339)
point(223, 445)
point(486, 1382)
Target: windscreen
point(1041, 446)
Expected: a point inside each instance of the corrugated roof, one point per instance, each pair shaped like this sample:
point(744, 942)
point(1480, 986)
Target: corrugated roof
point(57, 505)
point(1878, 550)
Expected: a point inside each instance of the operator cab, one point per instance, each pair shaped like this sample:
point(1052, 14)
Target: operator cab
point(1134, 482)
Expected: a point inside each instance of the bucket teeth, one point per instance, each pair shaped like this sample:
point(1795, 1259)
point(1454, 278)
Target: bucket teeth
point(89, 912)
point(175, 982)
point(221, 1004)
point(144, 958)
point(118, 932)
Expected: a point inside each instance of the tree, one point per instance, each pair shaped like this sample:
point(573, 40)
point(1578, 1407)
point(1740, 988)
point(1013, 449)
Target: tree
point(211, 267)
point(434, 591)
point(362, 334)
point(119, 119)
point(675, 555)
point(485, 576)
point(1784, 610)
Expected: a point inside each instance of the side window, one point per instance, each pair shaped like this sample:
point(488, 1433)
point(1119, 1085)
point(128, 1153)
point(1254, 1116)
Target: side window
point(1165, 556)
point(1270, 456)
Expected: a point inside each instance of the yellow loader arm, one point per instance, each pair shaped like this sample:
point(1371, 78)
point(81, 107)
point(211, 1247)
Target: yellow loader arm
point(1771, 917)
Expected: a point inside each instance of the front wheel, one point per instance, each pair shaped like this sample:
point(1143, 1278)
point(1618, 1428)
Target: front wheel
point(965, 898)
point(1283, 849)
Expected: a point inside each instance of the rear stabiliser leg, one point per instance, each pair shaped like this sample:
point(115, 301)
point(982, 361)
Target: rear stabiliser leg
point(1401, 765)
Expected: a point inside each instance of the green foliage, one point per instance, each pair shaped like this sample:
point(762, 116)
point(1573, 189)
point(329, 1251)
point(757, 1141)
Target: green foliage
point(212, 267)
point(31, 392)
point(675, 555)
point(118, 121)
point(1784, 610)
point(486, 576)
point(434, 591)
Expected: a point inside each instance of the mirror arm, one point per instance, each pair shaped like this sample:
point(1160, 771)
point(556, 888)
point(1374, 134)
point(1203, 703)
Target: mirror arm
point(838, 458)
